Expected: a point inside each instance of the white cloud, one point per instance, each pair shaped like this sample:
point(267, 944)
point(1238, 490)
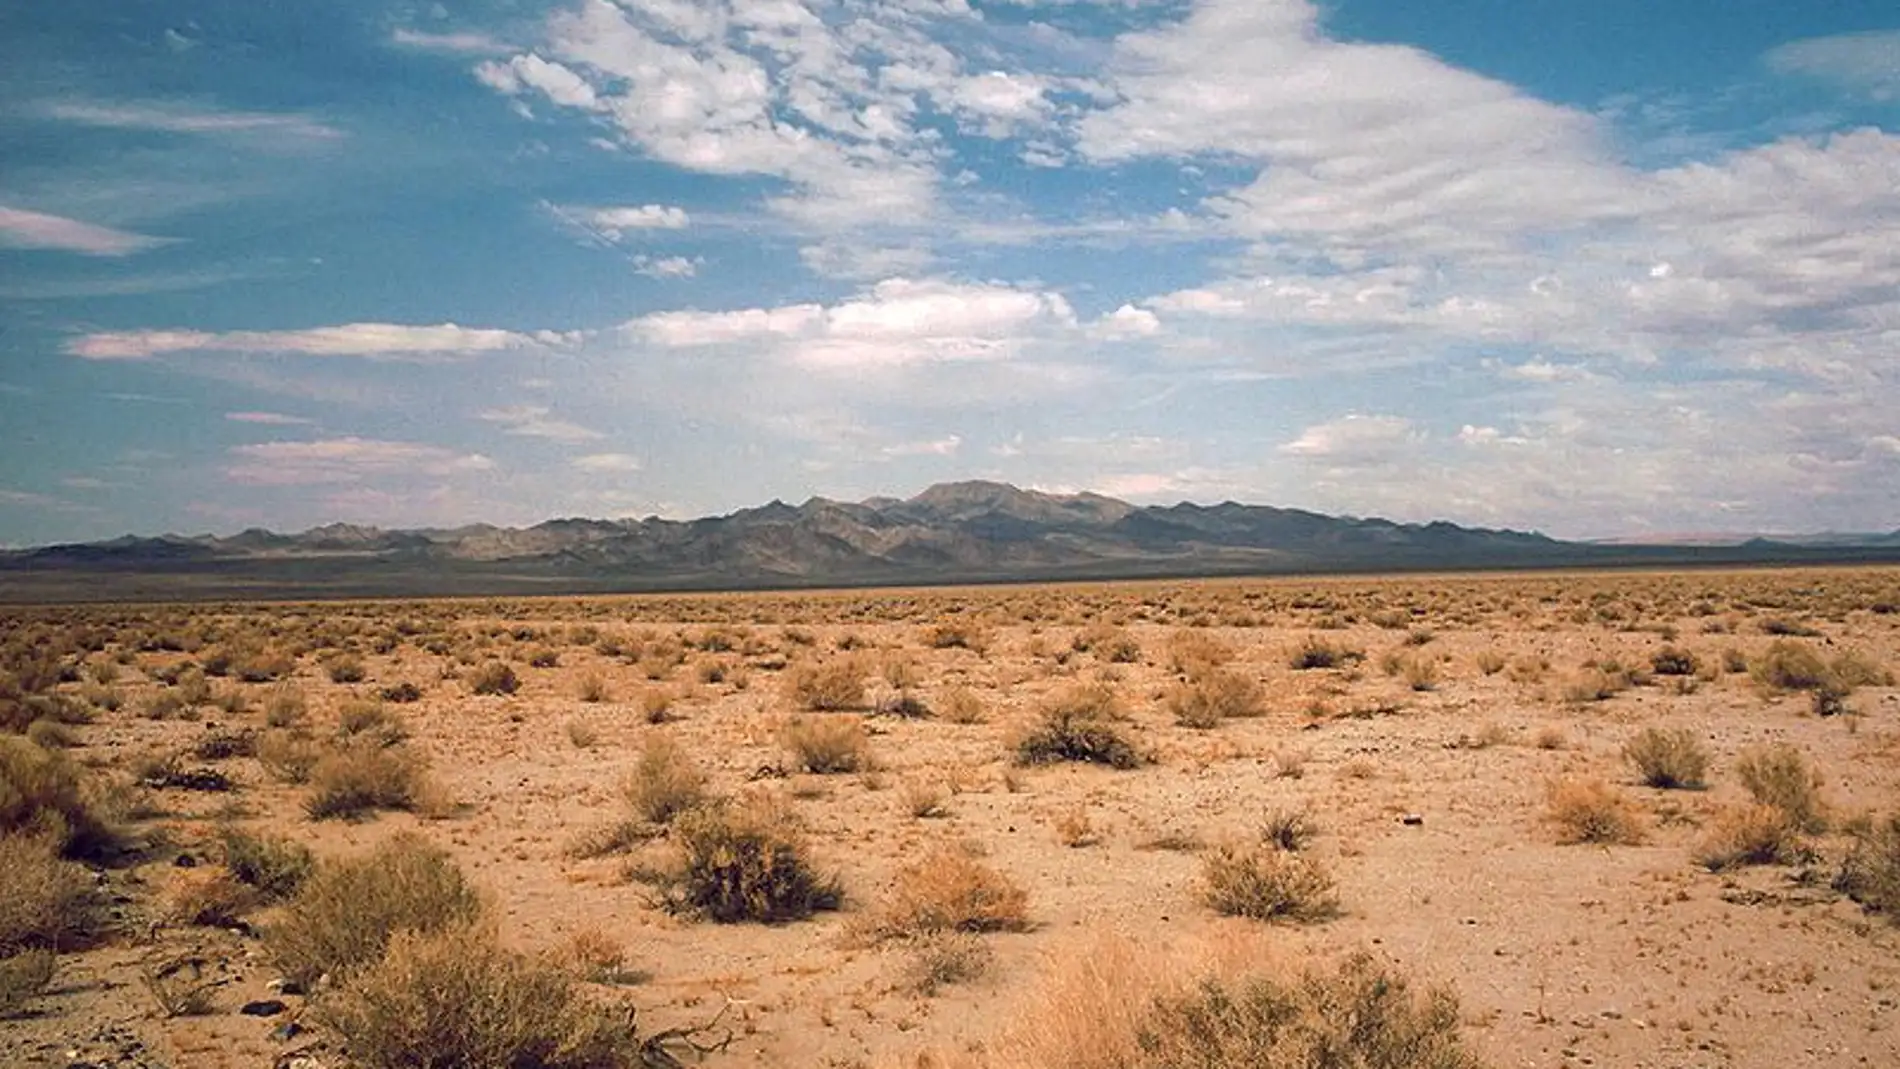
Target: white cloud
point(182, 119)
point(345, 460)
point(460, 43)
point(529, 71)
point(388, 341)
point(1127, 321)
point(663, 267)
point(535, 421)
point(894, 323)
point(642, 217)
point(607, 463)
point(36, 230)
point(945, 446)
point(1354, 440)
point(1865, 63)
point(268, 419)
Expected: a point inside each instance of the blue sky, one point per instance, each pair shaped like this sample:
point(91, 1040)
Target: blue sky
point(1591, 268)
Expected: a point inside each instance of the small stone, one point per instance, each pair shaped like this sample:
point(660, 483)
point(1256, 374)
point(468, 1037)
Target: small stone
point(185, 861)
point(264, 1007)
point(286, 1032)
point(1412, 820)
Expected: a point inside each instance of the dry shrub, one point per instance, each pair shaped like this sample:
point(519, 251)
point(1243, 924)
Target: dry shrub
point(1594, 684)
point(493, 677)
point(1264, 882)
point(1075, 830)
point(581, 734)
point(941, 959)
point(1288, 829)
point(591, 688)
point(288, 754)
point(957, 634)
point(46, 902)
point(22, 976)
point(656, 705)
point(372, 721)
point(1752, 834)
point(1790, 665)
point(345, 668)
point(826, 745)
point(451, 997)
point(1489, 662)
point(924, 798)
point(1781, 777)
point(357, 777)
point(1592, 811)
point(1066, 731)
point(43, 795)
point(1109, 643)
point(828, 687)
point(1420, 671)
point(1192, 653)
point(1114, 1008)
point(275, 867)
point(1316, 652)
point(1216, 695)
point(210, 897)
point(286, 706)
point(665, 781)
point(1674, 661)
point(745, 861)
point(950, 891)
point(1870, 874)
point(1669, 759)
point(343, 916)
point(1852, 668)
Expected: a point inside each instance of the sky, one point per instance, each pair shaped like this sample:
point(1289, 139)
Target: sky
point(1590, 268)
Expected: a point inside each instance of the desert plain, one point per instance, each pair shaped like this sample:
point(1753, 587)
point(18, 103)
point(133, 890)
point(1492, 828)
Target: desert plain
point(1617, 819)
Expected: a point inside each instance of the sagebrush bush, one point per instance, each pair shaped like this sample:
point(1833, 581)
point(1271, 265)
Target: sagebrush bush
point(371, 720)
point(1216, 695)
point(1870, 874)
point(1592, 811)
point(1064, 734)
point(23, 975)
point(826, 745)
point(1669, 759)
point(1780, 776)
point(46, 902)
point(950, 891)
point(1316, 652)
point(288, 754)
point(493, 677)
point(960, 705)
point(1674, 661)
point(1264, 882)
point(665, 781)
point(345, 668)
point(274, 866)
point(42, 793)
point(829, 687)
point(451, 998)
point(1790, 665)
point(357, 777)
point(745, 861)
point(343, 916)
point(1752, 834)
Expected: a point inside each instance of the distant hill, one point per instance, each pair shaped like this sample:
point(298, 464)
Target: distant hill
point(950, 533)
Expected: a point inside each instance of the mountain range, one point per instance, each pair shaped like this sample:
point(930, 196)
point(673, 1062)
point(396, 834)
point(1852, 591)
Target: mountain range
point(950, 533)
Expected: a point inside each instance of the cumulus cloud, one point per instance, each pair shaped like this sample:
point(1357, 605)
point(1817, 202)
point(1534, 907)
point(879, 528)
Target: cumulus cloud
point(663, 267)
point(894, 323)
point(537, 421)
point(641, 217)
point(345, 460)
point(1354, 440)
point(36, 230)
point(387, 341)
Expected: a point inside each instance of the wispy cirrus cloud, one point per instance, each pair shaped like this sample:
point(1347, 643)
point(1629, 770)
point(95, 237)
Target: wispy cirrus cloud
point(1863, 63)
point(467, 44)
point(345, 460)
point(173, 118)
point(387, 341)
point(37, 230)
point(607, 463)
point(537, 421)
point(268, 419)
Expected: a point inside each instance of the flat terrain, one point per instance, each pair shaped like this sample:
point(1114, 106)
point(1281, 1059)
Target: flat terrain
point(1425, 749)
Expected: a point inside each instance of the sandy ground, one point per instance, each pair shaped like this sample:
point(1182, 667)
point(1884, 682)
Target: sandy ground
point(1629, 956)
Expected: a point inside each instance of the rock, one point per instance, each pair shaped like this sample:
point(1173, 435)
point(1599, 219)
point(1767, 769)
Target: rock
point(185, 861)
point(1412, 820)
point(286, 1032)
point(264, 1007)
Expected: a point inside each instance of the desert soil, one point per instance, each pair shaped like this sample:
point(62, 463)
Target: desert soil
point(1428, 791)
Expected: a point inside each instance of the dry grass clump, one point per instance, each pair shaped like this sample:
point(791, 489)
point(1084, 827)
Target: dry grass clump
point(275, 867)
point(1264, 882)
point(826, 745)
point(1870, 874)
point(492, 677)
point(1594, 683)
point(22, 976)
point(343, 916)
point(828, 687)
point(345, 668)
point(46, 902)
point(1078, 726)
point(1669, 759)
point(286, 706)
point(1316, 652)
point(451, 997)
point(1790, 665)
point(1192, 652)
point(1114, 1008)
point(1108, 643)
point(1592, 811)
point(745, 861)
point(941, 959)
point(358, 776)
point(960, 705)
point(371, 721)
point(665, 781)
point(1674, 661)
point(1216, 695)
point(957, 634)
point(924, 798)
point(950, 891)
point(591, 688)
point(1752, 834)
point(1780, 776)
point(43, 795)
point(288, 754)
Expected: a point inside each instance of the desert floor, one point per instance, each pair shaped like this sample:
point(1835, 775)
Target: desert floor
point(1426, 763)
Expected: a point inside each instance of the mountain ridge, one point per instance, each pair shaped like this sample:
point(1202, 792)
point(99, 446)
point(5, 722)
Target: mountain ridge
point(968, 531)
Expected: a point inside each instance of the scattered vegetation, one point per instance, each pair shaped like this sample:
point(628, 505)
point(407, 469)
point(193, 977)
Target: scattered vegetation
point(665, 781)
point(1669, 759)
point(745, 861)
point(1781, 777)
point(826, 745)
point(1264, 882)
point(1592, 811)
